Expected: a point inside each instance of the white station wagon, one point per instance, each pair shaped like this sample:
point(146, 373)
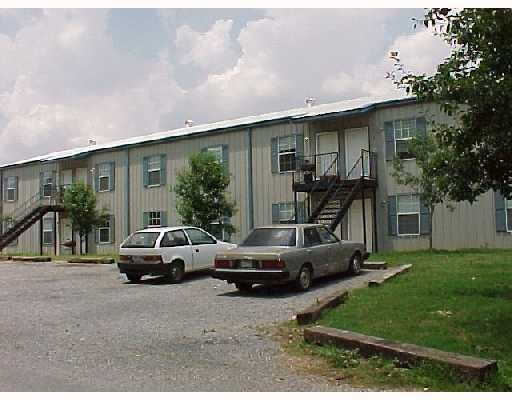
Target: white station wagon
point(170, 252)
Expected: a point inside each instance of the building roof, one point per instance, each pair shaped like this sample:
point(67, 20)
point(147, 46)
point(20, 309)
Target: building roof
point(359, 105)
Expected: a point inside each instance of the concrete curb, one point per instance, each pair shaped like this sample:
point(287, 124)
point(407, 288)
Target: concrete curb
point(466, 367)
point(32, 259)
point(5, 258)
point(101, 260)
point(389, 275)
point(375, 265)
point(313, 312)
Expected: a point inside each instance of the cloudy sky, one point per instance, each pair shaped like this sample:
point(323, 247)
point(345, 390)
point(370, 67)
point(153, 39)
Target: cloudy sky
point(70, 75)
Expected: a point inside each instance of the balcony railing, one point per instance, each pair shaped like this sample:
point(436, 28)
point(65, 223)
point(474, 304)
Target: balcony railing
point(317, 169)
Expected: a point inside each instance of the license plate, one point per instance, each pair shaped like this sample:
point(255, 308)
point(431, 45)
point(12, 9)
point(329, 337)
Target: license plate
point(137, 259)
point(245, 264)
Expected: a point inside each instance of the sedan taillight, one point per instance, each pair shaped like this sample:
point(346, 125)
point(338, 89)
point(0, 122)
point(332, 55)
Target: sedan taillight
point(222, 263)
point(273, 264)
point(124, 258)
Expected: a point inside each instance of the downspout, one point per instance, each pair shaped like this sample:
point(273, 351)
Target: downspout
point(127, 195)
point(56, 215)
point(250, 194)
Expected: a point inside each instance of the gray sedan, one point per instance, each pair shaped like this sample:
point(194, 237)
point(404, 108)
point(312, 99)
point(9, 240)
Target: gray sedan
point(288, 253)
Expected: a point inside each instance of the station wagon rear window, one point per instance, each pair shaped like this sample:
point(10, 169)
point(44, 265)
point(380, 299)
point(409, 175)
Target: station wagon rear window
point(271, 237)
point(141, 240)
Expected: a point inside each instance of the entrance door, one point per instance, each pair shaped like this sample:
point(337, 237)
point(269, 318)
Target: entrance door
point(355, 222)
point(356, 139)
point(326, 142)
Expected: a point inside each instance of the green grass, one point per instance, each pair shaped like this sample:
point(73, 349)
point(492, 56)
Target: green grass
point(459, 301)
point(64, 257)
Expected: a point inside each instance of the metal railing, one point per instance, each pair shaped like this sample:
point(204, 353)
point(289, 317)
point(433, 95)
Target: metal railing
point(326, 167)
point(47, 197)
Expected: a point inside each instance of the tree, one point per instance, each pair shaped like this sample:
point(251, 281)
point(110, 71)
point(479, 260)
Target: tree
point(201, 193)
point(474, 86)
point(80, 205)
point(426, 180)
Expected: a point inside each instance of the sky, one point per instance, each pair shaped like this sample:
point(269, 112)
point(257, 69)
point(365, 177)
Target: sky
point(70, 75)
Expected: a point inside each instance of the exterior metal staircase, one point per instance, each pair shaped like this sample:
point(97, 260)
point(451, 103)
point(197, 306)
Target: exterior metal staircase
point(28, 214)
point(336, 192)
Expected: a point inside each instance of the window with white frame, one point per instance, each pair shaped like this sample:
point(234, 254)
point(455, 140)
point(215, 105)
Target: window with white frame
point(286, 213)
point(404, 130)
point(154, 218)
point(104, 174)
point(287, 147)
point(104, 232)
point(408, 214)
point(9, 224)
point(47, 184)
point(217, 152)
point(154, 170)
point(508, 206)
point(48, 231)
point(11, 188)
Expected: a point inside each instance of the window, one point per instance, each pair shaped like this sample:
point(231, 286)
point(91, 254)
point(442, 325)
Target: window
point(286, 213)
point(408, 214)
point(311, 237)
point(105, 232)
point(326, 237)
point(12, 188)
point(199, 237)
point(217, 230)
point(508, 206)
point(104, 174)
point(282, 237)
point(48, 231)
point(141, 240)
point(47, 184)
point(9, 224)
point(217, 152)
point(154, 218)
point(174, 239)
point(404, 130)
point(286, 147)
point(154, 171)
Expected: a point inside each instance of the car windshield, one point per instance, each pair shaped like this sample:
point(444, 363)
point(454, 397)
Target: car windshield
point(143, 240)
point(271, 237)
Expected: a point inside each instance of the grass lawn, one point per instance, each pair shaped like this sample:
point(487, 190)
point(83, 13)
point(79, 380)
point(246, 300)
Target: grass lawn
point(64, 257)
point(458, 301)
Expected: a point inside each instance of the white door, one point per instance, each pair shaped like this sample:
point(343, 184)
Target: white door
point(355, 222)
point(356, 139)
point(204, 248)
point(326, 142)
point(67, 177)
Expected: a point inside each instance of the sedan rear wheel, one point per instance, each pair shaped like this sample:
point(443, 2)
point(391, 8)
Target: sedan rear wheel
point(355, 264)
point(304, 279)
point(243, 287)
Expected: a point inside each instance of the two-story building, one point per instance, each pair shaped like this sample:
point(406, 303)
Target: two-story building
point(329, 163)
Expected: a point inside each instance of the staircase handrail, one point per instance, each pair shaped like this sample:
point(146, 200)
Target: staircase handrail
point(31, 203)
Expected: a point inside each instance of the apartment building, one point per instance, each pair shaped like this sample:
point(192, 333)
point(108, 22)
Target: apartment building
point(329, 163)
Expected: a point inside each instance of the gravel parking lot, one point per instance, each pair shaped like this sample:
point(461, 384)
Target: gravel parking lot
point(84, 328)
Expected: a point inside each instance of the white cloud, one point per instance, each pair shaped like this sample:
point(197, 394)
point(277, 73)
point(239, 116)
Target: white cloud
point(63, 81)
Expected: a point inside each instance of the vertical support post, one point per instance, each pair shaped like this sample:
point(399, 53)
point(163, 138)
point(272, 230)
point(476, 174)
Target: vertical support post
point(295, 201)
point(375, 236)
point(55, 227)
point(364, 211)
point(41, 236)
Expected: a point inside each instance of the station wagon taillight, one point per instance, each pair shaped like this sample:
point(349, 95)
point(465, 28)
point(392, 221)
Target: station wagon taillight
point(272, 264)
point(222, 263)
point(152, 258)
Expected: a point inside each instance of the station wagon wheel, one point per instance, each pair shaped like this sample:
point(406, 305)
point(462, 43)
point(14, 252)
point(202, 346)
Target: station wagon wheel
point(177, 271)
point(133, 277)
point(355, 264)
point(303, 281)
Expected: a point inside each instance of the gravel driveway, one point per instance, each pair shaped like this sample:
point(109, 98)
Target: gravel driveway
point(85, 328)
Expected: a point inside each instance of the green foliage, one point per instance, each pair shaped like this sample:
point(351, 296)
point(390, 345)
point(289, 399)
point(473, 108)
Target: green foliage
point(458, 301)
point(80, 205)
point(426, 180)
point(474, 86)
point(201, 193)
